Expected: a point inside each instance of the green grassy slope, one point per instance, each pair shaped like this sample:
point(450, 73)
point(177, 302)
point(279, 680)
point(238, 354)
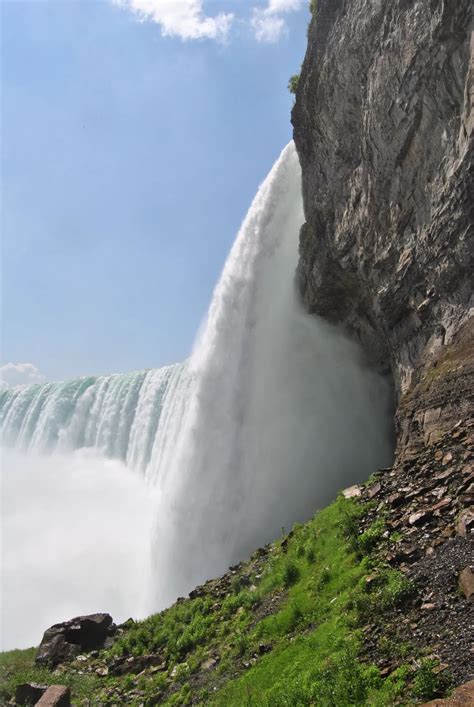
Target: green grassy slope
point(284, 628)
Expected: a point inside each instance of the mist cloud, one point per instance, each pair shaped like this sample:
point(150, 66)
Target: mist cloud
point(75, 540)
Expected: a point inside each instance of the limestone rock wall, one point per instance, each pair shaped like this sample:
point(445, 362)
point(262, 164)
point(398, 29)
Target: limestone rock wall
point(383, 127)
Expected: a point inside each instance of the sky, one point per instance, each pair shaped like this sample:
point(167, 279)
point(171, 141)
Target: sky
point(135, 134)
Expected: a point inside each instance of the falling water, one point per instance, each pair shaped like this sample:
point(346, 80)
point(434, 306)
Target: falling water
point(274, 412)
point(123, 417)
point(282, 411)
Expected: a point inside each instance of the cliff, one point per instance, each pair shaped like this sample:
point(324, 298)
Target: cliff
point(383, 128)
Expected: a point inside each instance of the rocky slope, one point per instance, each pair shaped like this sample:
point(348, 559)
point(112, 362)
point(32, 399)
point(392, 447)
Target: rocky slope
point(383, 128)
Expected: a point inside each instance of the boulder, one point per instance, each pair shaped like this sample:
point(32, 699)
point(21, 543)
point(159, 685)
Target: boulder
point(29, 693)
point(56, 696)
point(62, 642)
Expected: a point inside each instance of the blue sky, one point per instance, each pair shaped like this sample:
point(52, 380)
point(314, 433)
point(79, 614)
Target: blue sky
point(135, 134)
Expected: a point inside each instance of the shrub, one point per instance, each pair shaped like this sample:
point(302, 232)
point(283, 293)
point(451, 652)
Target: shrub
point(293, 83)
point(368, 540)
point(427, 683)
point(242, 643)
point(323, 578)
point(295, 616)
point(128, 682)
point(389, 589)
point(396, 590)
point(236, 585)
point(291, 574)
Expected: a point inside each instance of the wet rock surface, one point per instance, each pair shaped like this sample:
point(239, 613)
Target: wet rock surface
point(383, 128)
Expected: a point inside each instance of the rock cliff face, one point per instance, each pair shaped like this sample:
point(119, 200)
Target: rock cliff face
point(383, 127)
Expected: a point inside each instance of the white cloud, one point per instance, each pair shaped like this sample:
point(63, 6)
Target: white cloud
point(180, 18)
point(19, 374)
point(268, 23)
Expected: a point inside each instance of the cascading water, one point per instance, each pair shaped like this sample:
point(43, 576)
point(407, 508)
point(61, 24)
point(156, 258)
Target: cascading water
point(282, 411)
point(272, 414)
point(120, 416)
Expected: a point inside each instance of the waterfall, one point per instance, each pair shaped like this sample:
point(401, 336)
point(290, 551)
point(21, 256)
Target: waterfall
point(271, 415)
point(123, 417)
point(282, 411)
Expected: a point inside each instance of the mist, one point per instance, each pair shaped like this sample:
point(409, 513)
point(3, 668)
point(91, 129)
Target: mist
point(283, 413)
point(137, 487)
point(75, 540)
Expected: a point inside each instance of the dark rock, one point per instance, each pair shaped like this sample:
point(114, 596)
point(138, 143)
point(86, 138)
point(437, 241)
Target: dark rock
point(395, 499)
point(29, 693)
point(62, 642)
point(383, 129)
point(264, 648)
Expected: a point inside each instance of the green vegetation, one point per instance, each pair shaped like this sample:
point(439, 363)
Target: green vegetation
point(18, 667)
point(283, 629)
point(293, 83)
point(428, 682)
point(315, 635)
point(368, 540)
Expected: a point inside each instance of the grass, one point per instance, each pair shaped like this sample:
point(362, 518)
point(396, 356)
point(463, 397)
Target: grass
point(286, 631)
point(315, 634)
point(18, 666)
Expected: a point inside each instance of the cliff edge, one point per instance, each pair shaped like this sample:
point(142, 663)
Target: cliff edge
point(383, 128)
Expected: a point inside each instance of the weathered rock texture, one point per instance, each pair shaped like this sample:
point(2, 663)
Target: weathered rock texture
point(383, 127)
point(462, 697)
point(427, 505)
point(63, 642)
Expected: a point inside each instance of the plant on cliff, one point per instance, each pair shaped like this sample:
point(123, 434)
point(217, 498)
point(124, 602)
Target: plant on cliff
point(429, 682)
point(293, 83)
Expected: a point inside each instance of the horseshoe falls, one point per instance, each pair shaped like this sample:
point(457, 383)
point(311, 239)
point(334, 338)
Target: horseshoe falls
point(123, 416)
point(136, 487)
